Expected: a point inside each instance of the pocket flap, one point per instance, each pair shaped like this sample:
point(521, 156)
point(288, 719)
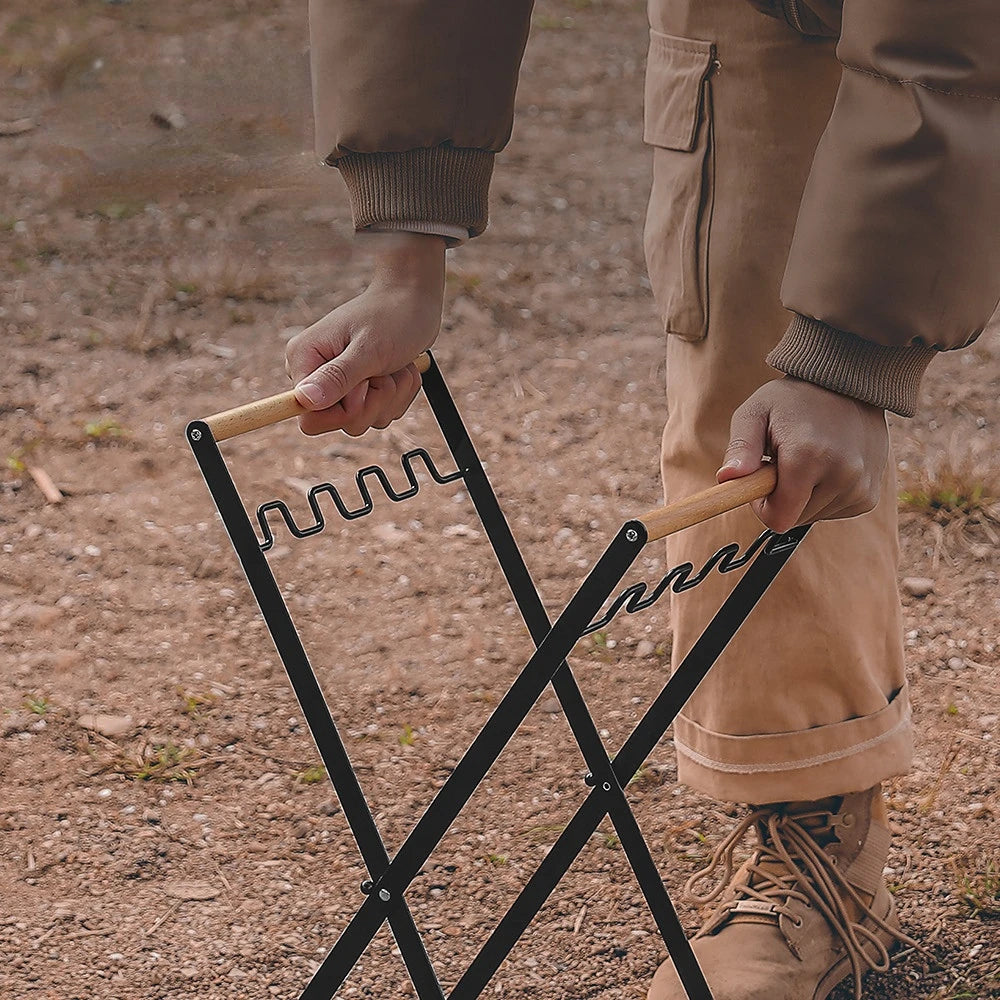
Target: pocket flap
point(675, 76)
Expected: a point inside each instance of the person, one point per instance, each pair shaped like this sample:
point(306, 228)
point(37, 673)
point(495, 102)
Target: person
point(833, 158)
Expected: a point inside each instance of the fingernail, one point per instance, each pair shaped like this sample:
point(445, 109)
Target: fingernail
point(311, 392)
point(732, 463)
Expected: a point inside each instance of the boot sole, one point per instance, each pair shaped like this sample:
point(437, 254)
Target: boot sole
point(841, 970)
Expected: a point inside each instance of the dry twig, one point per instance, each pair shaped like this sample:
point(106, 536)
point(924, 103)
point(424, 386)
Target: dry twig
point(170, 909)
point(43, 481)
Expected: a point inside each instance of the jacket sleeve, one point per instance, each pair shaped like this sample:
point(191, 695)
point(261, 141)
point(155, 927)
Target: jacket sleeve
point(412, 100)
point(896, 253)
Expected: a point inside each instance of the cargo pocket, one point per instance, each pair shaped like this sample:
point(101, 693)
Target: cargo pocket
point(677, 121)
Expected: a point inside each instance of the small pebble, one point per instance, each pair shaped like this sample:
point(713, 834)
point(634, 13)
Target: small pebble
point(111, 726)
point(918, 586)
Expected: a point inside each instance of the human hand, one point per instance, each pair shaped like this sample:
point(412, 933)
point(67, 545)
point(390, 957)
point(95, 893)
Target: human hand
point(354, 366)
point(830, 452)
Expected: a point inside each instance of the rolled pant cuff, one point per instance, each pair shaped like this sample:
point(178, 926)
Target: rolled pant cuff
point(797, 766)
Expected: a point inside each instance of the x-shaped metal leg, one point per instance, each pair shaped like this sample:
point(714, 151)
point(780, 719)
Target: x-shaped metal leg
point(391, 878)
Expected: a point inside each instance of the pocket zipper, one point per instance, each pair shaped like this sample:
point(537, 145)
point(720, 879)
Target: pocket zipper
point(792, 15)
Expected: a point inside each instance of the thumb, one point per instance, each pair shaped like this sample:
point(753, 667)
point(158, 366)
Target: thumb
point(334, 379)
point(747, 442)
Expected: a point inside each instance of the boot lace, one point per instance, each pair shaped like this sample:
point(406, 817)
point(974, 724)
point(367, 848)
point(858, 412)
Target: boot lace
point(789, 864)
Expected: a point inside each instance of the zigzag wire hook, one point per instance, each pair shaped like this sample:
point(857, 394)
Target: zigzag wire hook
point(679, 579)
point(367, 506)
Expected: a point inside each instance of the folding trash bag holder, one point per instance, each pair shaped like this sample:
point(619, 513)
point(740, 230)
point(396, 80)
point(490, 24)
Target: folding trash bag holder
point(389, 877)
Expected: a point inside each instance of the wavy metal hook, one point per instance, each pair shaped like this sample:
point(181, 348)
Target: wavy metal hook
point(679, 579)
point(368, 504)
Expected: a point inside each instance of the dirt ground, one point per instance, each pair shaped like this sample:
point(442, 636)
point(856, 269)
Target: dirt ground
point(163, 230)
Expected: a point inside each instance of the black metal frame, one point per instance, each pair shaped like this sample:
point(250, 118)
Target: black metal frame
point(389, 878)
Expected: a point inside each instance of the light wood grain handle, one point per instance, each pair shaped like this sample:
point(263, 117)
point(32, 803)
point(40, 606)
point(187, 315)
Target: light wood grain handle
point(272, 410)
point(715, 500)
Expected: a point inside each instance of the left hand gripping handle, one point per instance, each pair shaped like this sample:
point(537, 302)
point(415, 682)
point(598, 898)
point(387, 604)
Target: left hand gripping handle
point(272, 410)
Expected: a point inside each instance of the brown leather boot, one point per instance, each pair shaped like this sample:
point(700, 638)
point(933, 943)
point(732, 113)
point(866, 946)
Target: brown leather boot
point(806, 910)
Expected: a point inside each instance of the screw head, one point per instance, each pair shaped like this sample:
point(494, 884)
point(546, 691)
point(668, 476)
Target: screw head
point(195, 434)
point(384, 895)
point(367, 886)
point(632, 535)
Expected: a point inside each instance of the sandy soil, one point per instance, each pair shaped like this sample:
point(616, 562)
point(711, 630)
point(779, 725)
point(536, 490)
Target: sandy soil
point(151, 275)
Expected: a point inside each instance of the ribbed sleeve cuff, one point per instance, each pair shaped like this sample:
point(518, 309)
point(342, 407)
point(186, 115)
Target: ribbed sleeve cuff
point(445, 183)
point(887, 377)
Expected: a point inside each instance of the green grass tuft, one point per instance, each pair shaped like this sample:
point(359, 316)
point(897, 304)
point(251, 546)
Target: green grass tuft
point(954, 488)
point(38, 704)
point(162, 762)
point(104, 429)
point(978, 885)
point(311, 775)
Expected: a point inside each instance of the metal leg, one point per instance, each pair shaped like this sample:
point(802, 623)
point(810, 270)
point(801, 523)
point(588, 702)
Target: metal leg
point(310, 697)
point(570, 697)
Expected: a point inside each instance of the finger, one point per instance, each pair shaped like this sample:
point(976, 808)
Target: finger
point(336, 417)
point(402, 388)
point(333, 380)
point(323, 421)
point(840, 507)
point(369, 413)
point(380, 400)
point(311, 348)
point(747, 444)
point(354, 401)
point(797, 480)
point(848, 489)
point(408, 390)
point(376, 403)
point(392, 399)
point(822, 504)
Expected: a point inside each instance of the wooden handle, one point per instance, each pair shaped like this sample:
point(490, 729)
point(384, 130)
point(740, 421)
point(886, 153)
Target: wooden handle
point(272, 410)
point(715, 500)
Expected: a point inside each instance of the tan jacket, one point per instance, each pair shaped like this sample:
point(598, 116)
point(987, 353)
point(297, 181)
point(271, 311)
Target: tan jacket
point(896, 252)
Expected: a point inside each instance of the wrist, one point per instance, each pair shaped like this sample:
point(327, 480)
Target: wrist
point(414, 260)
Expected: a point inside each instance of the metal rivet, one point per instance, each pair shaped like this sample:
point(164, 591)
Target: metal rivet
point(367, 886)
point(632, 535)
point(588, 779)
point(384, 895)
point(195, 434)
point(606, 786)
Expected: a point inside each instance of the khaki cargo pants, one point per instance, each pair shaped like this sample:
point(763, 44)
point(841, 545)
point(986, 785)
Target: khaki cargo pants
point(810, 699)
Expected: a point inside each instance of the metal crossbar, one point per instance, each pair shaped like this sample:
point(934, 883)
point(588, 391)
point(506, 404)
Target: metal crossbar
point(389, 878)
